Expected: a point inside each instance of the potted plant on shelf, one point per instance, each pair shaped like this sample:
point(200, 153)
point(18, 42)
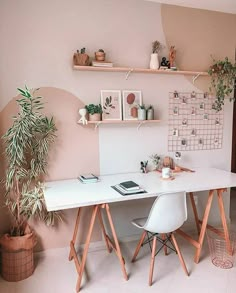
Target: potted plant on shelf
point(27, 144)
point(150, 113)
point(142, 113)
point(94, 111)
point(100, 55)
point(223, 75)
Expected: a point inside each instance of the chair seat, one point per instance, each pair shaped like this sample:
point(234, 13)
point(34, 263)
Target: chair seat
point(140, 222)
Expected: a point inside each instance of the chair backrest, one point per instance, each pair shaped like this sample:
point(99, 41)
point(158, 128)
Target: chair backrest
point(168, 213)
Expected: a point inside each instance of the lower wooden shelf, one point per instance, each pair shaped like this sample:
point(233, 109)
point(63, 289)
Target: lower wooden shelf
point(139, 123)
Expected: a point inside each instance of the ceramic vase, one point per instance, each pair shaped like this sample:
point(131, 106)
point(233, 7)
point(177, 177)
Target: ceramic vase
point(154, 62)
point(150, 114)
point(142, 113)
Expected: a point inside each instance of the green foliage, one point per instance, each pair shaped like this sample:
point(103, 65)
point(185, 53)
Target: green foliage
point(155, 160)
point(108, 105)
point(27, 144)
point(150, 107)
point(92, 109)
point(142, 107)
point(223, 75)
point(101, 50)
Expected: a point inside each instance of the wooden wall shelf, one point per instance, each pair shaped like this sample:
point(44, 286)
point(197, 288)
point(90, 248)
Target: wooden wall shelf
point(139, 123)
point(129, 70)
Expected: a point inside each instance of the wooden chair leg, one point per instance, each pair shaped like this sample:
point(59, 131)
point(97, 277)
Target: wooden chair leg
point(195, 212)
point(179, 254)
point(139, 245)
point(203, 227)
point(154, 244)
point(163, 237)
point(223, 220)
point(103, 230)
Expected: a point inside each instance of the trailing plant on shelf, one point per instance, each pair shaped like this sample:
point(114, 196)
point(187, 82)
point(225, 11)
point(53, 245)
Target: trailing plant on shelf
point(27, 144)
point(223, 75)
point(93, 109)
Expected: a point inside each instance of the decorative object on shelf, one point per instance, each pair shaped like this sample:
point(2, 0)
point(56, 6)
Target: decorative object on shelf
point(94, 111)
point(143, 166)
point(172, 56)
point(155, 160)
point(131, 100)
point(100, 55)
point(102, 64)
point(150, 113)
point(142, 112)
point(80, 58)
point(27, 143)
point(164, 63)
point(193, 120)
point(223, 75)
point(154, 62)
point(111, 105)
point(83, 112)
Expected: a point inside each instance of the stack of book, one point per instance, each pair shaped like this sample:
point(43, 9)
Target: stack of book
point(128, 187)
point(102, 64)
point(88, 178)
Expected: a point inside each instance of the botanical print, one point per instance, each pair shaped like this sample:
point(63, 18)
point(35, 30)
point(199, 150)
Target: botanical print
point(131, 102)
point(111, 105)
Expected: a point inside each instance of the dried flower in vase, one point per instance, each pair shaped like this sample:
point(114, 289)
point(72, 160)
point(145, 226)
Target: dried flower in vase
point(156, 47)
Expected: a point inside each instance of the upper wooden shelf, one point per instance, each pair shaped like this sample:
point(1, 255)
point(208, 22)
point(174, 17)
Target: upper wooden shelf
point(139, 70)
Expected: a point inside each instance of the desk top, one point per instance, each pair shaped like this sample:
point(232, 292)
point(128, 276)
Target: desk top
point(71, 193)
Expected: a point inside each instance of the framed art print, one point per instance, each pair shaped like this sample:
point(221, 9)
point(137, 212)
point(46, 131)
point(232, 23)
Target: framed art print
point(131, 102)
point(111, 105)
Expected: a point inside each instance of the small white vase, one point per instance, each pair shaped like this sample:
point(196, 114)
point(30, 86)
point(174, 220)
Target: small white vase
point(142, 114)
point(154, 62)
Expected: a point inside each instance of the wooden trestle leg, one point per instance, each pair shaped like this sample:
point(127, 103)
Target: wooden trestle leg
point(195, 212)
point(109, 244)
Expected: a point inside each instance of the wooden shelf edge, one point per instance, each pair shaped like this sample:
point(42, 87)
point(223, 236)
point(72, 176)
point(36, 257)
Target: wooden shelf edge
point(138, 70)
point(121, 122)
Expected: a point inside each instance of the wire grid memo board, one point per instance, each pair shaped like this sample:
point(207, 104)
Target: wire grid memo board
point(193, 124)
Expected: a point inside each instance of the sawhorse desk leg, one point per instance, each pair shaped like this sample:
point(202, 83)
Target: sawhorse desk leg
point(73, 255)
point(198, 243)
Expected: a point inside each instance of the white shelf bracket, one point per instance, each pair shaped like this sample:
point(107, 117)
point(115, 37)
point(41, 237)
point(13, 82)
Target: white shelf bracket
point(97, 125)
point(195, 77)
point(128, 73)
point(140, 124)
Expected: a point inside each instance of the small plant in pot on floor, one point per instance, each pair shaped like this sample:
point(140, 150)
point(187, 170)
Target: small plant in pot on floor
point(27, 143)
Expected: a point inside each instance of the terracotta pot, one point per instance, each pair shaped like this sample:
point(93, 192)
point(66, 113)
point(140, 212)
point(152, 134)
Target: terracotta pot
point(100, 56)
point(17, 256)
point(95, 117)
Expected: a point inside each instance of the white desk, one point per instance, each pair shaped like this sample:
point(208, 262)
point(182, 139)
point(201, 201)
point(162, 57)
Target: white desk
point(65, 194)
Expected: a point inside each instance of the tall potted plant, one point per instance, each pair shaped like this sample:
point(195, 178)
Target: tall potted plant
point(27, 144)
point(223, 75)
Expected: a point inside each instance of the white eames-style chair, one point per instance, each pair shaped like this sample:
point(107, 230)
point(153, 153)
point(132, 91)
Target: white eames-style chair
point(168, 213)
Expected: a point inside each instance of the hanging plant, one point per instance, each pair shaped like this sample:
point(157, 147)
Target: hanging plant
point(223, 75)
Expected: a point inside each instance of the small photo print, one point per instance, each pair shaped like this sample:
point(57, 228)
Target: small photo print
point(201, 106)
point(184, 100)
point(175, 132)
point(216, 141)
point(193, 95)
point(193, 111)
point(205, 116)
point(176, 95)
point(184, 122)
point(205, 95)
point(193, 132)
point(217, 121)
point(184, 142)
point(200, 141)
point(176, 110)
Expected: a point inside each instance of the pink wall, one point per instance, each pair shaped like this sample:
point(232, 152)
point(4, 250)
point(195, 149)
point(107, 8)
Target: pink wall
point(38, 51)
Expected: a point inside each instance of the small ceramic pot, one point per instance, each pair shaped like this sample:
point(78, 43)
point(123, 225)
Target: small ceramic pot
point(150, 114)
point(95, 117)
point(100, 56)
point(142, 114)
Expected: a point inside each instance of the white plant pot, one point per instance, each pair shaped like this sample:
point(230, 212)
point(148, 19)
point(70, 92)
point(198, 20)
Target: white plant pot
point(154, 61)
point(150, 114)
point(142, 114)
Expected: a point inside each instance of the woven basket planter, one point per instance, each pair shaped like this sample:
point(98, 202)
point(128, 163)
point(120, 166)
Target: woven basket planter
point(17, 256)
